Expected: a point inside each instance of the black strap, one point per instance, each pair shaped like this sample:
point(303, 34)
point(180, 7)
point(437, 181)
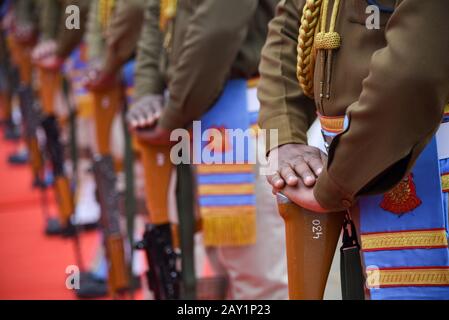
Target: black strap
point(130, 195)
point(187, 227)
point(352, 279)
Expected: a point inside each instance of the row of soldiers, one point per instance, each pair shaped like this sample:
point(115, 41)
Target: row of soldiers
point(359, 111)
point(125, 75)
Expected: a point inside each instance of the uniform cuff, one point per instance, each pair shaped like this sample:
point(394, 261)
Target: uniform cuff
point(144, 88)
point(172, 119)
point(330, 195)
point(286, 134)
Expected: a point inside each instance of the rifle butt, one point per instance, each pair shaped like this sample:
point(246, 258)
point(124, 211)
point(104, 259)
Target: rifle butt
point(158, 171)
point(35, 156)
point(311, 240)
point(106, 105)
point(6, 104)
point(118, 269)
point(50, 83)
point(22, 57)
point(65, 200)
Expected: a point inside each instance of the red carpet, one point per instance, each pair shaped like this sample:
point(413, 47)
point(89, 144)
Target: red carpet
point(32, 266)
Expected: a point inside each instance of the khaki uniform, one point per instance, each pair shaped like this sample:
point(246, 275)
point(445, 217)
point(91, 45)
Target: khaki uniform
point(223, 36)
point(111, 40)
point(111, 43)
point(116, 43)
point(192, 55)
point(25, 12)
point(392, 83)
point(52, 24)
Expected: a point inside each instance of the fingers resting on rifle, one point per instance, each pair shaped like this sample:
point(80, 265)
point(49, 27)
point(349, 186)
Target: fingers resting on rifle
point(305, 172)
point(276, 181)
point(315, 163)
point(289, 175)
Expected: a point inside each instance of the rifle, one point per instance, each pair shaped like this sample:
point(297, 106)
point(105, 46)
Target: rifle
point(113, 240)
point(73, 129)
point(163, 276)
point(31, 121)
point(50, 83)
point(21, 56)
point(130, 205)
point(62, 186)
point(31, 117)
point(311, 240)
point(106, 105)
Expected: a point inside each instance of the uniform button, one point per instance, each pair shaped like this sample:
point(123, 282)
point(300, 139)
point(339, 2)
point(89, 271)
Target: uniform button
point(346, 203)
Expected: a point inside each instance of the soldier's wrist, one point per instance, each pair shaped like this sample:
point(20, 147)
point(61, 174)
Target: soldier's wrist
point(171, 120)
point(330, 195)
point(279, 132)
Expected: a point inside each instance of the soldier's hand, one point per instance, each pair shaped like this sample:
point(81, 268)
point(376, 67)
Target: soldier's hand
point(97, 80)
point(303, 196)
point(25, 33)
point(52, 63)
point(145, 112)
point(295, 163)
point(155, 135)
point(43, 50)
point(101, 81)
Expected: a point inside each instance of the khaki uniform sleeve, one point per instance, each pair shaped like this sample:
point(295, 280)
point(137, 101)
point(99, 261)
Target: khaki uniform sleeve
point(284, 107)
point(50, 13)
point(215, 32)
point(25, 12)
point(148, 79)
point(123, 33)
point(399, 108)
point(94, 37)
point(68, 40)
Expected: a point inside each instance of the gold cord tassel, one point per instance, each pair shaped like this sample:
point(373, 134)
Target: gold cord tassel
point(306, 60)
point(105, 10)
point(314, 17)
point(168, 12)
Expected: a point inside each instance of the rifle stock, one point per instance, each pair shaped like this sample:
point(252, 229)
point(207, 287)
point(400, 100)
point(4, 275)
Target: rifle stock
point(106, 105)
point(311, 240)
point(158, 242)
point(158, 170)
point(31, 121)
point(21, 56)
point(65, 200)
point(55, 150)
point(6, 105)
point(118, 271)
point(108, 198)
point(50, 83)
point(35, 156)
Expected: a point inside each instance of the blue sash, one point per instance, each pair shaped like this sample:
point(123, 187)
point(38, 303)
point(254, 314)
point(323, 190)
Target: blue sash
point(406, 254)
point(128, 79)
point(404, 233)
point(74, 68)
point(226, 191)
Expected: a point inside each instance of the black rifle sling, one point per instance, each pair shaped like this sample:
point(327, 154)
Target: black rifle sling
point(187, 228)
point(352, 279)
